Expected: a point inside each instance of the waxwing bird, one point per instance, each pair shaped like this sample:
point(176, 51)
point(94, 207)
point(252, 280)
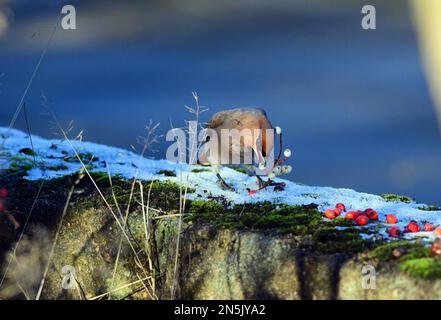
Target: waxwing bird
point(253, 141)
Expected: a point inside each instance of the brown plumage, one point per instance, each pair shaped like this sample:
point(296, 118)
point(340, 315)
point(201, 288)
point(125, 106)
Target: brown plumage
point(239, 119)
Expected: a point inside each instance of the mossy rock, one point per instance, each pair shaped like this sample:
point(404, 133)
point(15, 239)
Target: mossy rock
point(251, 251)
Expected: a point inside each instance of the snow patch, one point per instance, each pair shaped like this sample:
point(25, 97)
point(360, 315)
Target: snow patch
point(52, 155)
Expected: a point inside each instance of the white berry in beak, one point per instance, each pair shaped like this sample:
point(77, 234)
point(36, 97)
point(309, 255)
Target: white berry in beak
point(287, 153)
point(277, 170)
point(262, 166)
point(278, 130)
point(286, 169)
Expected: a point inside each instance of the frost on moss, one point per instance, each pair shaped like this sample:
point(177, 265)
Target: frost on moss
point(429, 208)
point(396, 198)
point(199, 170)
point(167, 173)
point(28, 152)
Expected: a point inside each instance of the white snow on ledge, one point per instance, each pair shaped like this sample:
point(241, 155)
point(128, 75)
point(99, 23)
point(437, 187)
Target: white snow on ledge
point(128, 164)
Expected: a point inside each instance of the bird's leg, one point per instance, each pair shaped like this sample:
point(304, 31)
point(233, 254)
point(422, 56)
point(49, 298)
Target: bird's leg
point(222, 184)
point(260, 182)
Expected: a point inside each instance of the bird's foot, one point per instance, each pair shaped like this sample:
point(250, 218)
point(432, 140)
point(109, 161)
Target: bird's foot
point(278, 186)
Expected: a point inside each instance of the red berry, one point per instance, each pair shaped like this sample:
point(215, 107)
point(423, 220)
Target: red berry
point(252, 192)
point(368, 210)
point(413, 227)
point(437, 231)
point(351, 215)
point(337, 212)
point(428, 227)
point(4, 193)
point(341, 206)
point(2, 207)
point(394, 231)
point(330, 214)
point(391, 219)
point(372, 214)
point(362, 220)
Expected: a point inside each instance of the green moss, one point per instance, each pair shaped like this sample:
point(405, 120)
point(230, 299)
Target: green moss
point(206, 208)
point(164, 195)
point(166, 185)
point(167, 173)
point(18, 158)
point(414, 260)
point(84, 157)
point(199, 170)
point(341, 246)
point(100, 176)
point(23, 165)
point(331, 240)
point(28, 152)
point(57, 168)
point(396, 198)
point(282, 219)
point(340, 222)
point(412, 250)
point(310, 195)
point(426, 268)
point(430, 208)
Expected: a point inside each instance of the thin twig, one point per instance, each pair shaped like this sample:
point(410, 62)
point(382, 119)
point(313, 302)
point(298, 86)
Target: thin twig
point(28, 127)
point(28, 86)
point(119, 288)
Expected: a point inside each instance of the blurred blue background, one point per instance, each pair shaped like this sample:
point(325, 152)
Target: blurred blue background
point(354, 104)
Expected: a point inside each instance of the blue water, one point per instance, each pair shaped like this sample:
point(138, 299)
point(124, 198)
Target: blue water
point(353, 104)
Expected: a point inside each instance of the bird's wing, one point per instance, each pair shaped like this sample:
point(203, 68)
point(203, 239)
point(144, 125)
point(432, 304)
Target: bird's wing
point(216, 121)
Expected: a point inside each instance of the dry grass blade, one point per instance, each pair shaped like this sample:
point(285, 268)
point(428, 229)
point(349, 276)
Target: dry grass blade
point(119, 288)
point(147, 141)
point(60, 224)
point(184, 191)
point(115, 267)
point(147, 231)
point(22, 232)
point(117, 220)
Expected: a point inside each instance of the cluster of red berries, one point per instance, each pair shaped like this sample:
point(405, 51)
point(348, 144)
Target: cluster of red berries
point(362, 218)
point(413, 226)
